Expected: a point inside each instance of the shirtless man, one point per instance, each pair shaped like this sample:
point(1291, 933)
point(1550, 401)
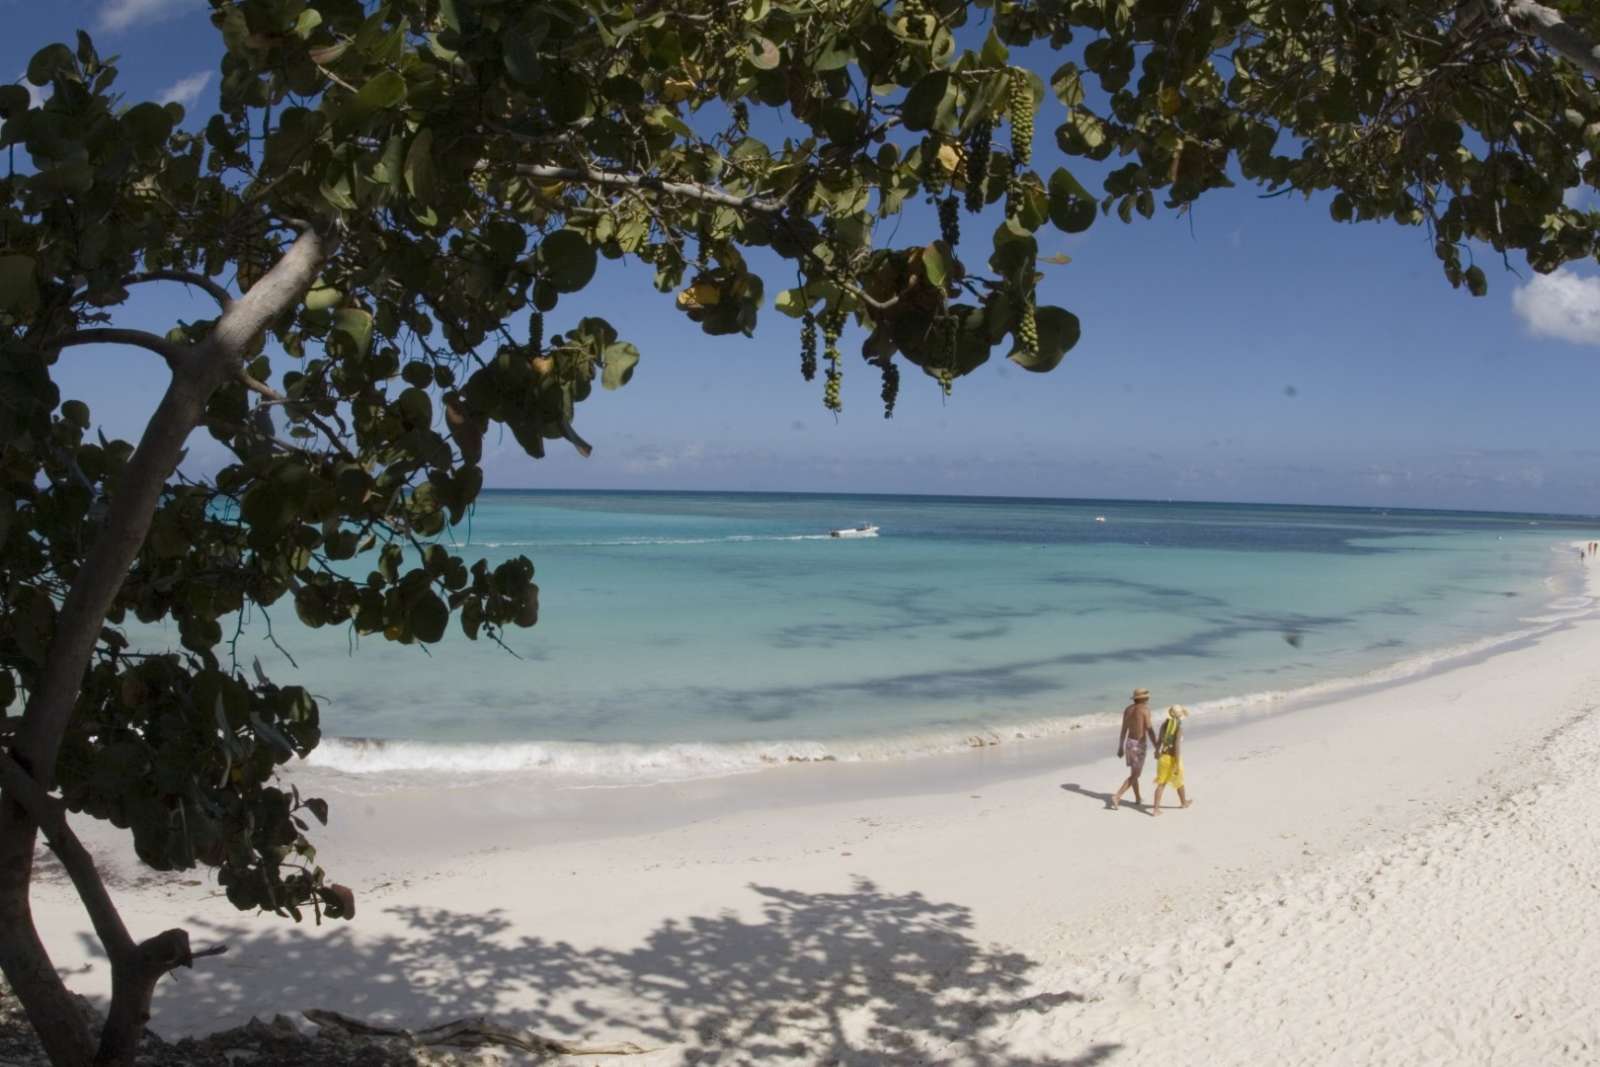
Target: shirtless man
point(1132, 744)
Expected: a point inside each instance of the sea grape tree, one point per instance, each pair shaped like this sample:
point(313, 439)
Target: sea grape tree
point(386, 212)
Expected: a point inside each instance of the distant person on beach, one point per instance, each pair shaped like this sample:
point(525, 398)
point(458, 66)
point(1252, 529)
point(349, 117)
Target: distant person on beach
point(1169, 757)
point(1131, 743)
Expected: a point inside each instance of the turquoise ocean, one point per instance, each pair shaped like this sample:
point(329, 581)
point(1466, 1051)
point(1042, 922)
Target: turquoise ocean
point(692, 634)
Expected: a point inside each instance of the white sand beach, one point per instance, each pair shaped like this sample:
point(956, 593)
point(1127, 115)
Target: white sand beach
point(1402, 875)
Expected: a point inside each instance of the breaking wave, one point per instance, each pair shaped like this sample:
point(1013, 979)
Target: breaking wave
point(579, 762)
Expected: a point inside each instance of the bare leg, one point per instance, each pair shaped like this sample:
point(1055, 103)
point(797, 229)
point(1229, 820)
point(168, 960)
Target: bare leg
point(1183, 795)
point(1116, 801)
point(1138, 800)
point(1160, 788)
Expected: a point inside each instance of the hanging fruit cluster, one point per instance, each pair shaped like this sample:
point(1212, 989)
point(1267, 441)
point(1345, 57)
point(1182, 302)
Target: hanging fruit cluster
point(950, 220)
point(978, 166)
point(1028, 330)
point(808, 347)
point(1019, 104)
point(891, 384)
point(832, 326)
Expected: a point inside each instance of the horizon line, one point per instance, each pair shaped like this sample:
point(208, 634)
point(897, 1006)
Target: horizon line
point(1385, 508)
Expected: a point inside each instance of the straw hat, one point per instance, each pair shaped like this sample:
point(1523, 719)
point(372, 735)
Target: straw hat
point(1177, 711)
point(1141, 695)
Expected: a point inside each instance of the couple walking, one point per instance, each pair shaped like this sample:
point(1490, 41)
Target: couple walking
point(1136, 731)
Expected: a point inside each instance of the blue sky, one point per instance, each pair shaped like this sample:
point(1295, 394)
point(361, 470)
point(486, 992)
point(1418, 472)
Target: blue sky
point(1254, 352)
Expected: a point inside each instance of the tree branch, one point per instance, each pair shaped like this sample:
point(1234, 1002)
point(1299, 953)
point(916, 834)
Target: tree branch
point(171, 351)
point(200, 281)
point(197, 372)
point(1546, 25)
point(247, 316)
point(708, 194)
point(79, 865)
point(272, 396)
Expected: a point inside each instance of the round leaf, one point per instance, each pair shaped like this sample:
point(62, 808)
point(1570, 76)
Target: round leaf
point(568, 260)
point(930, 103)
point(619, 363)
point(1058, 333)
point(19, 288)
point(51, 61)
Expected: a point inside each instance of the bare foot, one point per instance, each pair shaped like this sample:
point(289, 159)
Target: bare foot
point(1155, 811)
point(1189, 802)
point(1113, 804)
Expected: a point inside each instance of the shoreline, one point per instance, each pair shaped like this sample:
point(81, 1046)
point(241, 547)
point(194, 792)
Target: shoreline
point(1402, 872)
point(343, 763)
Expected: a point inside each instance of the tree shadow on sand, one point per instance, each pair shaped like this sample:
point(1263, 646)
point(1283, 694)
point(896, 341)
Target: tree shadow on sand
point(856, 977)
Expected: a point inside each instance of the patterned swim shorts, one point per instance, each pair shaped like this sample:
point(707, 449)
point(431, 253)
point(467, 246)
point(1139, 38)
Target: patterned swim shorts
point(1134, 753)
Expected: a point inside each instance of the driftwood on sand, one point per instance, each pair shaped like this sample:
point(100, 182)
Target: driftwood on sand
point(476, 1032)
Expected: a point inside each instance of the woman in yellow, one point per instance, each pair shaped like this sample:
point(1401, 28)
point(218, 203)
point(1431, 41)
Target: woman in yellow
point(1169, 756)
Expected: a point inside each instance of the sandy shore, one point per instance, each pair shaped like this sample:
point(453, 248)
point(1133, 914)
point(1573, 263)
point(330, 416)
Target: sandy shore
point(1407, 875)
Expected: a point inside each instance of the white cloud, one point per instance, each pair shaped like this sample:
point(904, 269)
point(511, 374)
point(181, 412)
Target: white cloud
point(1563, 304)
point(185, 91)
point(1578, 196)
point(120, 14)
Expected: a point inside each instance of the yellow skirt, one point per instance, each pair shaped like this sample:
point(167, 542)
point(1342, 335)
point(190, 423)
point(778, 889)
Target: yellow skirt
point(1169, 771)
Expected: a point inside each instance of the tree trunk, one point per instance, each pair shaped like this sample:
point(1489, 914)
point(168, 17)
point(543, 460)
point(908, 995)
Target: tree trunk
point(197, 372)
point(133, 983)
point(51, 1009)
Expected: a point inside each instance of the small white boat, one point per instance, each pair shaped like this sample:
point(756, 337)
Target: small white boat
point(1099, 518)
point(864, 530)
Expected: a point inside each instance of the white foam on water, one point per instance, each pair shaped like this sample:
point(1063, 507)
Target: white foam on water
point(576, 762)
point(580, 763)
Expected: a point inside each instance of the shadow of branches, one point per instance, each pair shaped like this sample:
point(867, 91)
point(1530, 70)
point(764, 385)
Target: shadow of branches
point(856, 977)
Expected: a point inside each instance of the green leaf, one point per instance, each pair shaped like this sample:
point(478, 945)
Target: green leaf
point(338, 187)
point(19, 288)
point(417, 410)
point(50, 62)
point(419, 167)
point(936, 264)
point(568, 260)
point(68, 177)
point(1014, 251)
point(930, 103)
point(1067, 83)
point(384, 90)
point(77, 413)
point(792, 304)
point(322, 298)
point(620, 359)
point(520, 53)
point(14, 100)
point(428, 618)
point(149, 126)
point(387, 89)
point(354, 325)
point(994, 52)
point(763, 54)
point(1477, 282)
point(1058, 333)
